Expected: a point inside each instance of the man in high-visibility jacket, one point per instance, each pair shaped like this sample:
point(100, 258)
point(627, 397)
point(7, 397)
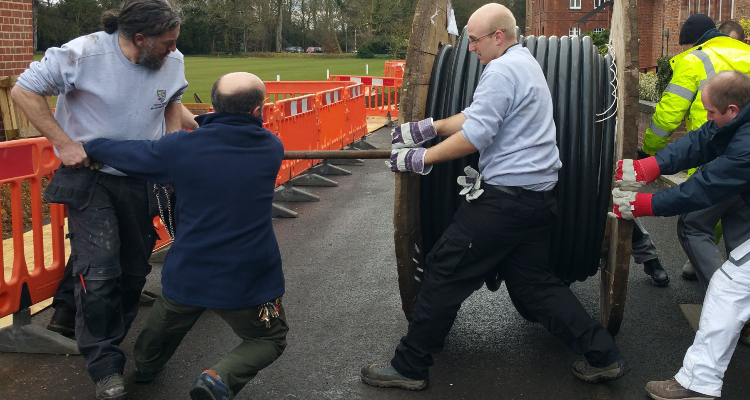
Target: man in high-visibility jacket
point(708, 52)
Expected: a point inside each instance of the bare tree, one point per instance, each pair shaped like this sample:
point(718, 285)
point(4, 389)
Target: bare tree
point(280, 7)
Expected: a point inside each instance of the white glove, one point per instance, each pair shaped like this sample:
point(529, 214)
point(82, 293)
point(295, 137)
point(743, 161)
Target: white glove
point(471, 183)
point(409, 160)
point(413, 134)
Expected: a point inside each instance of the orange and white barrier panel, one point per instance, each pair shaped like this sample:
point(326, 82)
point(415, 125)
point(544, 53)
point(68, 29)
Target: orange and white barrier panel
point(295, 122)
point(394, 68)
point(34, 275)
point(381, 93)
point(328, 119)
point(356, 123)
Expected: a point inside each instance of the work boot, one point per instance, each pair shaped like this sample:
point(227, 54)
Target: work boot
point(63, 321)
point(209, 386)
point(672, 390)
point(585, 372)
point(386, 376)
point(688, 272)
point(659, 276)
point(111, 387)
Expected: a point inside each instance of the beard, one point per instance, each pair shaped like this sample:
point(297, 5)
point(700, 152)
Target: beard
point(149, 58)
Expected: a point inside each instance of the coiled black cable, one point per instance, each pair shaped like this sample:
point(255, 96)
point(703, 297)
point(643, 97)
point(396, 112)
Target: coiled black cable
point(579, 81)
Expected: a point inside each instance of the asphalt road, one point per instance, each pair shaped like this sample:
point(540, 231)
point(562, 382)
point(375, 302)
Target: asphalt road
point(344, 311)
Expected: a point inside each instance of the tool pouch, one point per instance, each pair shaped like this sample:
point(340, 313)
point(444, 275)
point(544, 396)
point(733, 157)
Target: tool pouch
point(72, 187)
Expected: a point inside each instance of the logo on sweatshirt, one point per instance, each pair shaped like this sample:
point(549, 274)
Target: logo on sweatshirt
point(161, 97)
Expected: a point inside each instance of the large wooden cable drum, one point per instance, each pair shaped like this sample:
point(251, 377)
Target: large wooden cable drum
point(581, 84)
point(581, 194)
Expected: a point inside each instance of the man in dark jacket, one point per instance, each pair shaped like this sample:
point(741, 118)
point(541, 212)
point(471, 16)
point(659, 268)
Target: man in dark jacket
point(723, 145)
point(225, 256)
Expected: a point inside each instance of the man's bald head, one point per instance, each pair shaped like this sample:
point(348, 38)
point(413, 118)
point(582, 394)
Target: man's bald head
point(238, 93)
point(492, 17)
point(727, 88)
point(491, 30)
point(725, 95)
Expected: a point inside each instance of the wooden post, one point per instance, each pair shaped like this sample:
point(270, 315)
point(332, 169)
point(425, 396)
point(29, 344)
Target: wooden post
point(15, 123)
point(614, 275)
point(428, 35)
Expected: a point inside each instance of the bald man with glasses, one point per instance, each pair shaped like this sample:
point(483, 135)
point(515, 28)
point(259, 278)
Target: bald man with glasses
point(504, 228)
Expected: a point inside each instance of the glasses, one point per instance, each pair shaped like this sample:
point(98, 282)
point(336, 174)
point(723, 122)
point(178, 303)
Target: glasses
point(473, 41)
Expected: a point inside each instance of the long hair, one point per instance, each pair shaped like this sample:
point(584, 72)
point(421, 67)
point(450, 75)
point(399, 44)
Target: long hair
point(148, 17)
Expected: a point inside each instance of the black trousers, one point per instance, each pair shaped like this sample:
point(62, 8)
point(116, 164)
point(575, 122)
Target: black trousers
point(111, 241)
point(511, 235)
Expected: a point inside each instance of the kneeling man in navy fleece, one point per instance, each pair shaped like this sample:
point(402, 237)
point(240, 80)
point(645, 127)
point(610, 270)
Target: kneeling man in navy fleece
point(225, 256)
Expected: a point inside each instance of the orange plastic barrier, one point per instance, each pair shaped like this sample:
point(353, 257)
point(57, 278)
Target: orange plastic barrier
point(331, 110)
point(356, 122)
point(30, 160)
point(288, 89)
point(394, 68)
point(163, 238)
point(296, 124)
point(329, 119)
point(381, 93)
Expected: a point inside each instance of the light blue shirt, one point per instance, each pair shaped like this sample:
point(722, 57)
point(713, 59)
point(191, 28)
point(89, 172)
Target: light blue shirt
point(510, 122)
point(101, 94)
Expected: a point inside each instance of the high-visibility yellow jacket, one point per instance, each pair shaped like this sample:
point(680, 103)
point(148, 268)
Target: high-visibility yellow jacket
point(682, 97)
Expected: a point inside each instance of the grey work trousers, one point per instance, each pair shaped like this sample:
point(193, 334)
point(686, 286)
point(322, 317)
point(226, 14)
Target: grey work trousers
point(643, 248)
point(696, 234)
point(110, 241)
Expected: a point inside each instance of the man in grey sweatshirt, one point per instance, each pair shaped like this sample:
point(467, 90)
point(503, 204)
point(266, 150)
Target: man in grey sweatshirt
point(504, 226)
point(124, 83)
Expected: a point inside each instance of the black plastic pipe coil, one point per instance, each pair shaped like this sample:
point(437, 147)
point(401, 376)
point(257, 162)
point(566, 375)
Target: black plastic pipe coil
point(579, 81)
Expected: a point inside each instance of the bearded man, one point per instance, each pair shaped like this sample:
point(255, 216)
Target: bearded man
point(124, 83)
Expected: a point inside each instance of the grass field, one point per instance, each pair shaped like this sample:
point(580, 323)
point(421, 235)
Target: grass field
point(201, 72)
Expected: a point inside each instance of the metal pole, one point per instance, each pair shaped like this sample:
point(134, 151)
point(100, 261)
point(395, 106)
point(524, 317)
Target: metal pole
point(337, 154)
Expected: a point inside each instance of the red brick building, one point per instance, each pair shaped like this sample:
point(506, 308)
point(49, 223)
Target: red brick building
point(559, 17)
point(16, 36)
point(655, 17)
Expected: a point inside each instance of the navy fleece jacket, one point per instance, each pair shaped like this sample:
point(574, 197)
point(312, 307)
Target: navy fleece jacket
point(225, 253)
point(725, 152)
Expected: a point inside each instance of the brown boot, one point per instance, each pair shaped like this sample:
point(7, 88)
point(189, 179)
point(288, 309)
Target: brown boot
point(585, 372)
point(672, 390)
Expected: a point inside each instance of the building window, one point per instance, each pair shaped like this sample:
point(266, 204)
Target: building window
point(573, 32)
point(598, 3)
point(598, 30)
point(575, 4)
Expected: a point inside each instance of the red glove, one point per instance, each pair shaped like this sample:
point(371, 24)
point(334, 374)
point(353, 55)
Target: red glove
point(632, 175)
point(629, 205)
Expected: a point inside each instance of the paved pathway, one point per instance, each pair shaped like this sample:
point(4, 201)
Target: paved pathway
point(344, 311)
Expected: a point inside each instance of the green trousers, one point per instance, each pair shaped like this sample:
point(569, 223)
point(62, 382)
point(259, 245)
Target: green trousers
point(169, 322)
